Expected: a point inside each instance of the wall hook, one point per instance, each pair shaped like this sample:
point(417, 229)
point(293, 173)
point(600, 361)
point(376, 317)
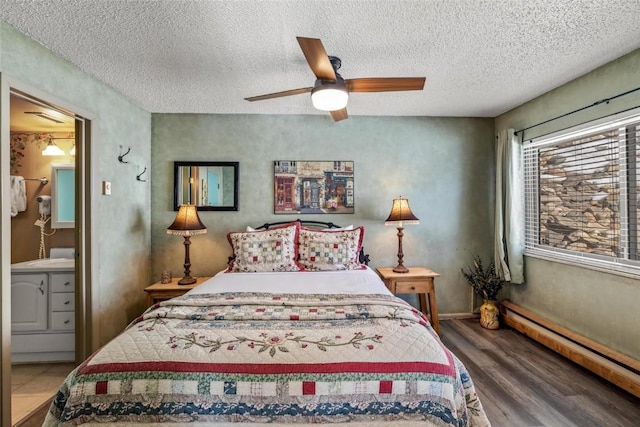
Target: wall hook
point(140, 174)
point(121, 157)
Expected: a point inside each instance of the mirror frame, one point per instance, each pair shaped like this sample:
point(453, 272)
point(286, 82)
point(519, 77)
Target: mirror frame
point(176, 183)
point(56, 221)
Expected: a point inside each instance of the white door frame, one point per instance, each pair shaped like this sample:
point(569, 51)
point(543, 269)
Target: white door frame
point(85, 246)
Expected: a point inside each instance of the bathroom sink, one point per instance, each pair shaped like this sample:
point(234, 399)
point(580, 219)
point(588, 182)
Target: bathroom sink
point(50, 262)
point(61, 259)
point(45, 264)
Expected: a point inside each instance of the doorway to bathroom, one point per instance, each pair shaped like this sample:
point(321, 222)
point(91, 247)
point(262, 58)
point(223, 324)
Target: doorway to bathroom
point(48, 165)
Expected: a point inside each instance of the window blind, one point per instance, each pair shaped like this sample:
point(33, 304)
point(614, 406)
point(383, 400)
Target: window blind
point(580, 191)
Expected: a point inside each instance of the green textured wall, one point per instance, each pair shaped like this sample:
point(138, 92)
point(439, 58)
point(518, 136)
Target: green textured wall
point(444, 166)
point(601, 306)
point(121, 222)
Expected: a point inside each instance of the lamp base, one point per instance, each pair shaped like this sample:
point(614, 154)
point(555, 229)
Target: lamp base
point(400, 269)
point(187, 280)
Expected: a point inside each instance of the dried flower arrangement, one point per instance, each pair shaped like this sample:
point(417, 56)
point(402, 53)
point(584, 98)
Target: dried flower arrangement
point(485, 282)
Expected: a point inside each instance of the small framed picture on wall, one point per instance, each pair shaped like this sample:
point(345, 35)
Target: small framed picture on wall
point(313, 187)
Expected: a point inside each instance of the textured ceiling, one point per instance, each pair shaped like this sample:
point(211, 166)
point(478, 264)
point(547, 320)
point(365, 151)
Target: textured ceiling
point(481, 57)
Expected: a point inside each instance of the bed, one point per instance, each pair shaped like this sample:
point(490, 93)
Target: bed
point(319, 340)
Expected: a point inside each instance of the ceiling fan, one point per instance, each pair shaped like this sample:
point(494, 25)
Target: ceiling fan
point(330, 91)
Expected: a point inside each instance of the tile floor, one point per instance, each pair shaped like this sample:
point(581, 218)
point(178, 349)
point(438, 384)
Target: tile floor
point(33, 385)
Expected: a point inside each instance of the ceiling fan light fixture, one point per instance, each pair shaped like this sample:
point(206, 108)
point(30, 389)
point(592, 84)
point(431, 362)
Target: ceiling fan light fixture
point(329, 95)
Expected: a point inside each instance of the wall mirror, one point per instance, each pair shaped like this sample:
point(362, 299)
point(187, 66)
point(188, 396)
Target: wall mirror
point(63, 195)
point(211, 186)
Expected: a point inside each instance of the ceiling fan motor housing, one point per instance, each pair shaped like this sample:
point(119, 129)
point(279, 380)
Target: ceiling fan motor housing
point(334, 84)
point(336, 63)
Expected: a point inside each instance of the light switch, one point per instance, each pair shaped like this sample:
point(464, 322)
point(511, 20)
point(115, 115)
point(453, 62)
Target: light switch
point(106, 188)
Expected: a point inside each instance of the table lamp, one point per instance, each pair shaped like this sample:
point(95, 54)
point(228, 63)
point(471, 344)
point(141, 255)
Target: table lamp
point(187, 224)
point(401, 214)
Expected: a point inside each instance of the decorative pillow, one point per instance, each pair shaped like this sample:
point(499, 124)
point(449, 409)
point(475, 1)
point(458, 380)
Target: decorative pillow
point(275, 249)
point(330, 250)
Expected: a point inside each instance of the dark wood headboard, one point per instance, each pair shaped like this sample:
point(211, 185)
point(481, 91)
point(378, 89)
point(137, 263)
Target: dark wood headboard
point(303, 222)
point(362, 257)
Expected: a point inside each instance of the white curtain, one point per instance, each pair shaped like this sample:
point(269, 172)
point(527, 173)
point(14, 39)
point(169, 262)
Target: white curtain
point(509, 221)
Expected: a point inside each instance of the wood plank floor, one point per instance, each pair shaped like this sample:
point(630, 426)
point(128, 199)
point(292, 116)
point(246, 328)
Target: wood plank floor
point(522, 383)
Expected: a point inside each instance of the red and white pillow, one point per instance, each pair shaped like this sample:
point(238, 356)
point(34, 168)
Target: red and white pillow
point(290, 247)
point(329, 250)
point(275, 249)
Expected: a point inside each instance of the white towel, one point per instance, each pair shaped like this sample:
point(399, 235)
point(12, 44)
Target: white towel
point(18, 195)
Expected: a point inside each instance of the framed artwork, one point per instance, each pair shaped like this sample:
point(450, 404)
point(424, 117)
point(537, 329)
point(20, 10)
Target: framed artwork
point(313, 187)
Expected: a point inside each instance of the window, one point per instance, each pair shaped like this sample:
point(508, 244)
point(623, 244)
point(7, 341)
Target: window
point(581, 194)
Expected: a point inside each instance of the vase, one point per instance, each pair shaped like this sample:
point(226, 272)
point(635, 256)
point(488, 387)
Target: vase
point(489, 315)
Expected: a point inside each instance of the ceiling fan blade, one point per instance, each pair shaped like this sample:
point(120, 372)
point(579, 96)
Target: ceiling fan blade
point(339, 114)
point(280, 94)
point(317, 58)
point(385, 84)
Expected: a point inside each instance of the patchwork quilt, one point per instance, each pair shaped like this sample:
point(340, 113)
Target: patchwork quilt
point(265, 358)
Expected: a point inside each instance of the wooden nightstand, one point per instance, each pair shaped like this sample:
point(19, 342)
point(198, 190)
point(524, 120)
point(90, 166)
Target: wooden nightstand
point(164, 291)
point(418, 280)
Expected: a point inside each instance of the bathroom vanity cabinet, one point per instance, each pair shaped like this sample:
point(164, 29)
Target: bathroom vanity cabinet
point(42, 315)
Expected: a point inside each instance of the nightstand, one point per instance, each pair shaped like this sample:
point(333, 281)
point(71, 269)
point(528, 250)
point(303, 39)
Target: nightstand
point(418, 280)
point(164, 291)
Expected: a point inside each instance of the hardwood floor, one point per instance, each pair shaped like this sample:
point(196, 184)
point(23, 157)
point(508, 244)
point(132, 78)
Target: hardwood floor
point(523, 384)
point(32, 389)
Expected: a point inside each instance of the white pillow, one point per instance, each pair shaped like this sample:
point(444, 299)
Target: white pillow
point(348, 227)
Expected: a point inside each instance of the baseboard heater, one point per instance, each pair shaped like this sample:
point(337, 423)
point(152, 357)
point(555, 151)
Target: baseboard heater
point(611, 365)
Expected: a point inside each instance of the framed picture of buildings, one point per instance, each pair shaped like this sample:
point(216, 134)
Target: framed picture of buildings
point(313, 187)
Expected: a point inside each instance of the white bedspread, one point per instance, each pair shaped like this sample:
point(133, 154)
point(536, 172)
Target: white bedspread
point(304, 282)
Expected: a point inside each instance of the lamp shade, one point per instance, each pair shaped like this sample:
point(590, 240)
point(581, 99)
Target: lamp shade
point(52, 149)
point(401, 213)
point(187, 222)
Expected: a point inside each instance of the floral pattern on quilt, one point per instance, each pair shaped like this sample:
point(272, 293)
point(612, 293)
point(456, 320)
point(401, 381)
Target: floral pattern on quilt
point(354, 358)
point(269, 343)
point(330, 250)
point(275, 249)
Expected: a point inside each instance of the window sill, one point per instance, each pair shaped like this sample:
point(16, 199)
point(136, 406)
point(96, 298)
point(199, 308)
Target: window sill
point(618, 269)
